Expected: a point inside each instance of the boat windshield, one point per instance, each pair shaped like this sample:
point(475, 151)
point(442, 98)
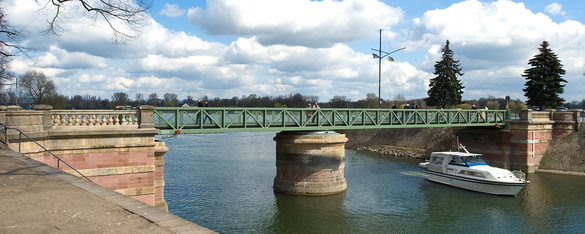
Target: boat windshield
point(473, 160)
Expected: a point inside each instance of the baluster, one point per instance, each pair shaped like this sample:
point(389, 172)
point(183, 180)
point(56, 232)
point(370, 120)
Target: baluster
point(77, 119)
point(63, 120)
point(84, 119)
point(70, 120)
point(123, 122)
point(56, 120)
point(92, 120)
point(110, 119)
point(116, 120)
point(102, 119)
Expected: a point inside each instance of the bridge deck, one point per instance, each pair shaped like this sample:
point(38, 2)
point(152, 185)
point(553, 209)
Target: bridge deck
point(172, 120)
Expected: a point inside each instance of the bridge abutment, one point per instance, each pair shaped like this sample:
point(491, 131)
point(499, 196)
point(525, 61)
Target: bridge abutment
point(310, 163)
point(523, 144)
point(110, 147)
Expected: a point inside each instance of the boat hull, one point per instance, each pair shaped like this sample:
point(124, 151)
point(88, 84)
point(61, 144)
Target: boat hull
point(478, 185)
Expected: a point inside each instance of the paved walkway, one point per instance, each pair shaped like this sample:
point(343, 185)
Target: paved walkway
point(36, 198)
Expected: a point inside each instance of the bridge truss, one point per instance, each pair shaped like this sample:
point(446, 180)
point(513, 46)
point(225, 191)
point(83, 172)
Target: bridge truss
point(175, 120)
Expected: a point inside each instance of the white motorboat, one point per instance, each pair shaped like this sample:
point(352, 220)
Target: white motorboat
point(468, 171)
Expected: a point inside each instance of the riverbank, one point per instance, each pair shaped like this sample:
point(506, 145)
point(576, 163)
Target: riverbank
point(400, 142)
point(565, 154)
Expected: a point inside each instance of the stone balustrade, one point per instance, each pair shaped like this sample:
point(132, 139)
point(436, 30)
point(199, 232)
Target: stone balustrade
point(94, 118)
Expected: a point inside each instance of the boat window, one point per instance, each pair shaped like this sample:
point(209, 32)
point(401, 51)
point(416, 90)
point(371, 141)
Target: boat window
point(457, 161)
point(437, 160)
point(478, 159)
point(474, 160)
point(479, 174)
point(469, 173)
point(469, 160)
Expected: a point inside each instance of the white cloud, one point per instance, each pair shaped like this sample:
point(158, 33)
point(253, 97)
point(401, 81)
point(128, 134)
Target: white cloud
point(60, 58)
point(91, 79)
point(172, 10)
point(296, 22)
point(555, 9)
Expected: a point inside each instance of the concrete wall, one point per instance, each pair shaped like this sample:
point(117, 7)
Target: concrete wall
point(523, 143)
point(115, 149)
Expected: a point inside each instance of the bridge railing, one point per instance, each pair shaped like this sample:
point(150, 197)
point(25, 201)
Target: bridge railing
point(170, 120)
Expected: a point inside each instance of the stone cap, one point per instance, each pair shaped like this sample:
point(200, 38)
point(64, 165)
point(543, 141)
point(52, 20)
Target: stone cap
point(146, 107)
point(42, 107)
point(12, 108)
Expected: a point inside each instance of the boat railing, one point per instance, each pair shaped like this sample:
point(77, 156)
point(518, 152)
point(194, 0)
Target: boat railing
point(520, 175)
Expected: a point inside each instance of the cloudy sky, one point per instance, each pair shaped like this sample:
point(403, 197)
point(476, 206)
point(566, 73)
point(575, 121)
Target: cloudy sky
point(226, 48)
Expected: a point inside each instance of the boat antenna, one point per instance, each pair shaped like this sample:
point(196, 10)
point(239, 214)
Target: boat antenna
point(380, 57)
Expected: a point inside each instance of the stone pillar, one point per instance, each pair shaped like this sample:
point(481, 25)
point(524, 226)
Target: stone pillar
point(47, 122)
point(2, 114)
point(159, 179)
point(576, 116)
point(146, 119)
point(310, 163)
point(564, 123)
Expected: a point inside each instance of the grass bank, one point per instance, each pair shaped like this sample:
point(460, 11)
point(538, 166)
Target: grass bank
point(566, 153)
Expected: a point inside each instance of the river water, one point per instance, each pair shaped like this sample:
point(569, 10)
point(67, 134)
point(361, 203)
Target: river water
point(224, 182)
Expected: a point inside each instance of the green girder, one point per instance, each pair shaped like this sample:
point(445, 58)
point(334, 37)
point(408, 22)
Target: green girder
point(233, 119)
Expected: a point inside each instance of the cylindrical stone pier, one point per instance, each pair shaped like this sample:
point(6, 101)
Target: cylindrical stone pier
point(310, 163)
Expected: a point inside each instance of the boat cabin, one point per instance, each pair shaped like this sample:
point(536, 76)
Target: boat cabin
point(440, 160)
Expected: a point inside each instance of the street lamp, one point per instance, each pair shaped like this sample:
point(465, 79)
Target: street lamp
point(379, 56)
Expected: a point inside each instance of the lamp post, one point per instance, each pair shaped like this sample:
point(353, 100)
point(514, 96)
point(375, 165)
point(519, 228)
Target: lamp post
point(379, 56)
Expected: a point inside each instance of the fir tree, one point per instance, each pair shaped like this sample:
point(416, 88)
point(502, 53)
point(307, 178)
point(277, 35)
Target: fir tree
point(446, 88)
point(543, 80)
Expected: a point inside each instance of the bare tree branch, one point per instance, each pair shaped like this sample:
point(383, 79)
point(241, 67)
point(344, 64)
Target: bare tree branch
point(130, 12)
point(8, 48)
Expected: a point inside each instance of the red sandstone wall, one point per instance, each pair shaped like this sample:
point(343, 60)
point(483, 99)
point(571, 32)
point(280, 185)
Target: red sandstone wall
point(129, 172)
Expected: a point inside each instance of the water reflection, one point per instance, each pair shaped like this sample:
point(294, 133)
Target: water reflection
point(554, 202)
point(309, 214)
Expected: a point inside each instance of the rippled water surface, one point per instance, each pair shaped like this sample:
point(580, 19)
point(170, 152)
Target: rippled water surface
point(224, 182)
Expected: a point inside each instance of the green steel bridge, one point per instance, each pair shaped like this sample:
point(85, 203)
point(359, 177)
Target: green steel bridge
point(179, 120)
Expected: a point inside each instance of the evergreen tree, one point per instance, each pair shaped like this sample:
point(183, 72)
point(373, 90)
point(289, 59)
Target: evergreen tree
point(445, 88)
point(543, 80)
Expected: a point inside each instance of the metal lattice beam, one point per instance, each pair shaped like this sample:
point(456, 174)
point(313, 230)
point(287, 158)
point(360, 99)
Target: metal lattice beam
point(232, 119)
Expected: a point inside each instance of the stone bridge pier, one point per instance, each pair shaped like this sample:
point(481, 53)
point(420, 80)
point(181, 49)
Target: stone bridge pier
point(113, 148)
point(310, 163)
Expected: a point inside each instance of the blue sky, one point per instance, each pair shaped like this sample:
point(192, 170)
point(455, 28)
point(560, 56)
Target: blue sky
point(226, 48)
